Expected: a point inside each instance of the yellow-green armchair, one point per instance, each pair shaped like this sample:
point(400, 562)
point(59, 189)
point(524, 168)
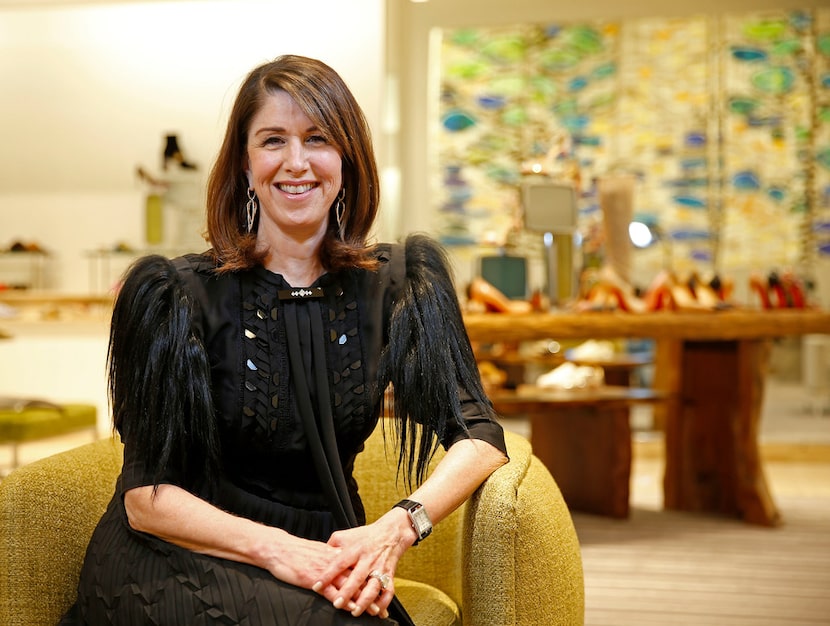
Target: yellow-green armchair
point(508, 556)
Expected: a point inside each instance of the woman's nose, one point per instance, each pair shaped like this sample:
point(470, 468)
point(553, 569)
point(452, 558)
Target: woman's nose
point(296, 158)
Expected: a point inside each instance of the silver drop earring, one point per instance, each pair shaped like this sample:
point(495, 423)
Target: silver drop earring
point(251, 208)
point(339, 209)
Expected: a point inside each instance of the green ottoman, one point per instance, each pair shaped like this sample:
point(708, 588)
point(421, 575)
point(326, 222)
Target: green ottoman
point(23, 420)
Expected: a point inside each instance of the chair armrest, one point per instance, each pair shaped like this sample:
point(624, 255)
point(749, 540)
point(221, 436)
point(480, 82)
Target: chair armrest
point(48, 510)
point(522, 562)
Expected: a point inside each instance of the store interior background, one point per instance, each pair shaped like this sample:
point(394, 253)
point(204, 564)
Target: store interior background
point(91, 88)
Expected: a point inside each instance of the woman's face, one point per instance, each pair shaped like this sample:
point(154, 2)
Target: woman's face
point(295, 172)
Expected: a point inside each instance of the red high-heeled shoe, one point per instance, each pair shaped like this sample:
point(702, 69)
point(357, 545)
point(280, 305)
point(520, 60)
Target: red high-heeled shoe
point(668, 293)
point(626, 300)
point(794, 290)
point(656, 296)
point(776, 287)
point(760, 287)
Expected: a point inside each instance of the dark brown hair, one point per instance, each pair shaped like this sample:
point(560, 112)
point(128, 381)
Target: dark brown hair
point(323, 96)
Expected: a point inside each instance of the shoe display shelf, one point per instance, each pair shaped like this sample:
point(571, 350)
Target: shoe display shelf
point(22, 269)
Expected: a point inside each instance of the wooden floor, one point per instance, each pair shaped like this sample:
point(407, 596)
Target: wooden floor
point(661, 567)
point(664, 568)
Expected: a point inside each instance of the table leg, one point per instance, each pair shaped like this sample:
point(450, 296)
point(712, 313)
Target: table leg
point(667, 379)
point(712, 457)
point(588, 452)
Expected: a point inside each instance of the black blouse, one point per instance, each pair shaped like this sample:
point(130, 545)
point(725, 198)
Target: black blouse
point(266, 469)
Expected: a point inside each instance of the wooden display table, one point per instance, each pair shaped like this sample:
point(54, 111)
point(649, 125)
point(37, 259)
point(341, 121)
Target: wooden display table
point(711, 366)
point(583, 436)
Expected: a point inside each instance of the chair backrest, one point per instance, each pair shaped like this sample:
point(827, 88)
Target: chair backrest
point(438, 560)
point(48, 510)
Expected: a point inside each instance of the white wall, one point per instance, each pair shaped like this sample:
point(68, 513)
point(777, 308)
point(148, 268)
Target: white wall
point(89, 90)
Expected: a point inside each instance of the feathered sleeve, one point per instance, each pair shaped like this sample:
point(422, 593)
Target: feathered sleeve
point(429, 361)
point(159, 380)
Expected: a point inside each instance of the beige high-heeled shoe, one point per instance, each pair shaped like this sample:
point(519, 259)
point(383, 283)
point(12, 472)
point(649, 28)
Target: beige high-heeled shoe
point(479, 290)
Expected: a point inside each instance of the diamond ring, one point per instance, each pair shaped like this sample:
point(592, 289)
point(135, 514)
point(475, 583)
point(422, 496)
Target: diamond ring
point(383, 579)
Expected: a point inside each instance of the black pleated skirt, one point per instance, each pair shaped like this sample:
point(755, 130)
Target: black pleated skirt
point(134, 579)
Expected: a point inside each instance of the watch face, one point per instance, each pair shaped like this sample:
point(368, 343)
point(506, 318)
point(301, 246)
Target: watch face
point(421, 520)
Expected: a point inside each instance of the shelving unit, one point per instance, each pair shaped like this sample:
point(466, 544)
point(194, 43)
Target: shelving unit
point(106, 267)
point(23, 270)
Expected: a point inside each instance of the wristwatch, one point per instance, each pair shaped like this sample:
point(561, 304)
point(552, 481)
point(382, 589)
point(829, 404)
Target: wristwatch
point(418, 518)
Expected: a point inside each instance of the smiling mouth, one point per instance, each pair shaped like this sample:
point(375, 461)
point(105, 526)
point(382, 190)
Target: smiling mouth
point(296, 189)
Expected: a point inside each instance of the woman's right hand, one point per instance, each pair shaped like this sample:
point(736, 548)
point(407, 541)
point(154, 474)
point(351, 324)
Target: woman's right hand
point(181, 518)
point(297, 561)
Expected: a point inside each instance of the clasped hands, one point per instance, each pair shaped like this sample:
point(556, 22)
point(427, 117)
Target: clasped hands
point(361, 575)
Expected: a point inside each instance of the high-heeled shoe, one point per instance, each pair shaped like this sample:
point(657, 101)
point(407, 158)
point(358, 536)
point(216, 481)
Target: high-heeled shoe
point(706, 294)
point(668, 293)
point(683, 298)
point(492, 377)
point(607, 296)
point(776, 287)
point(794, 290)
point(657, 296)
point(723, 287)
point(481, 291)
point(172, 151)
point(31, 246)
point(605, 290)
point(760, 287)
point(597, 298)
point(626, 300)
point(779, 291)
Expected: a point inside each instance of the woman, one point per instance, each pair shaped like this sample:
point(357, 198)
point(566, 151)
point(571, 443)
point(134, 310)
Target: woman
point(245, 380)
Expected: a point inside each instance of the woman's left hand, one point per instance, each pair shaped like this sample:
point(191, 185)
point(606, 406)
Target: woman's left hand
point(378, 547)
point(349, 583)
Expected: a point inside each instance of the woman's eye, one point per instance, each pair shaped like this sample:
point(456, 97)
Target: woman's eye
point(273, 141)
point(317, 139)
